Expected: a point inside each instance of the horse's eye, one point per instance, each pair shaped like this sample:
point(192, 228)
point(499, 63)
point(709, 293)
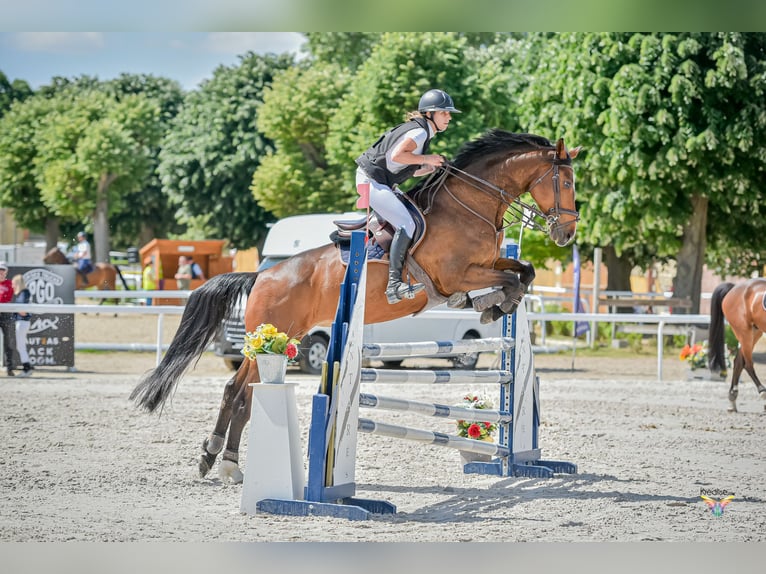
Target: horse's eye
point(567, 184)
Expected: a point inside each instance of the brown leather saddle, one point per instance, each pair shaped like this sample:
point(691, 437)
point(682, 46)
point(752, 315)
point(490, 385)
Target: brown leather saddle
point(381, 232)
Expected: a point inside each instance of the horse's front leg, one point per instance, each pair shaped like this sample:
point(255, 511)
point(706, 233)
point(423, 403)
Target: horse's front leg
point(750, 368)
point(524, 269)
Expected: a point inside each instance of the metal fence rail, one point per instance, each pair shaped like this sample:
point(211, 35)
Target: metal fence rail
point(660, 320)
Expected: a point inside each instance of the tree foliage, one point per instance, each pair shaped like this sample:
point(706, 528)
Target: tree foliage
point(296, 109)
point(213, 148)
point(672, 124)
point(10, 92)
point(151, 213)
point(93, 154)
point(401, 67)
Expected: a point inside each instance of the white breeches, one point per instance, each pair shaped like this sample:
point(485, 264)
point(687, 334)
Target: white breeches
point(22, 328)
point(386, 204)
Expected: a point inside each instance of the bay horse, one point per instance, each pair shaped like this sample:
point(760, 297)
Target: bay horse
point(466, 212)
point(103, 276)
point(743, 305)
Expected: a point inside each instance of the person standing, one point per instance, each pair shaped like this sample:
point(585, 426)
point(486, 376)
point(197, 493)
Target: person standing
point(22, 320)
point(183, 275)
point(148, 279)
point(196, 270)
point(6, 319)
point(398, 155)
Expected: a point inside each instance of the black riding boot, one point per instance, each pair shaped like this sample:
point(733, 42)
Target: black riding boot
point(396, 290)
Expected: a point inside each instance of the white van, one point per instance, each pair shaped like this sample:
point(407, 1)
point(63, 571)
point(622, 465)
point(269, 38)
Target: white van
point(298, 233)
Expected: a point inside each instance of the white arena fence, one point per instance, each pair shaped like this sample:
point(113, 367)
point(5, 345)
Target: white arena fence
point(660, 320)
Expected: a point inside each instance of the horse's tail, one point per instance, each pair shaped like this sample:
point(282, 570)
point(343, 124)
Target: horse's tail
point(207, 307)
point(716, 339)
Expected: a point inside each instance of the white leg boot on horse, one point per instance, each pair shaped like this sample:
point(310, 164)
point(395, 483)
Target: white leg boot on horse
point(396, 289)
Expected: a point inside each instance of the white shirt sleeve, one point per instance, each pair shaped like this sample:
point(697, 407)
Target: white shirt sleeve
point(418, 135)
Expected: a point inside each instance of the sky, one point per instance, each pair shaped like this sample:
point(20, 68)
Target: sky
point(188, 57)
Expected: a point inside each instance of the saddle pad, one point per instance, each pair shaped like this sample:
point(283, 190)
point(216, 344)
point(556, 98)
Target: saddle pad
point(374, 252)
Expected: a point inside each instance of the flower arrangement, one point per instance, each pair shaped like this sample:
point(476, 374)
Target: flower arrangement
point(475, 429)
point(695, 355)
point(266, 339)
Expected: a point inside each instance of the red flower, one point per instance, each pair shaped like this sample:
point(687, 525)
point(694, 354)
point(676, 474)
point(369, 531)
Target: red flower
point(291, 351)
point(474, 431)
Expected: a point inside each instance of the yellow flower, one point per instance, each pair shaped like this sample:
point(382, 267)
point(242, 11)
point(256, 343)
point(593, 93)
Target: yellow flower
point(267, 339)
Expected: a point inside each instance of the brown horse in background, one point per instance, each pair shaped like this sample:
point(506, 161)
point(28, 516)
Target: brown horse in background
point(743, 305)
point(466, 213)
point(103, 276)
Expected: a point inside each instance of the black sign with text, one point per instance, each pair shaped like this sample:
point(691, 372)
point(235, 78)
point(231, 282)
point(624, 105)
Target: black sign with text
point(50, 340)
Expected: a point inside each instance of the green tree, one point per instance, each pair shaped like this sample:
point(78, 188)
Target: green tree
point(150, 213)
point(213, 148)
point(401, 67)
point(19, 188)
point(296, 109)
point(346, 49)
point(672, 123)
point(93, 154)
point(10, 92)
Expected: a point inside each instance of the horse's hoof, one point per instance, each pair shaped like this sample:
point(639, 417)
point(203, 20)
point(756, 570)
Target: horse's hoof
point(490, 315)
point(733, 409)
point(457, 300)
point(205, 463)
point(228, 471)
point(489, 300)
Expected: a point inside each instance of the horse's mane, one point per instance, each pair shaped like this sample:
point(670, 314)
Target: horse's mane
point(496, 141)
point(491, 142)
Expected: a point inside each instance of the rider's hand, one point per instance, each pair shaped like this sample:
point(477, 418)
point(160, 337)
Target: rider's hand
point(434, 159)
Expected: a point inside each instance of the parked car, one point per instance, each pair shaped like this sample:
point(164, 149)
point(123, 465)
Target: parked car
point(298, 233)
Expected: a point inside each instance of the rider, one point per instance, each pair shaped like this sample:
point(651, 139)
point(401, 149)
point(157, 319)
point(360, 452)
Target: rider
point(82, 255)
point(399, 154)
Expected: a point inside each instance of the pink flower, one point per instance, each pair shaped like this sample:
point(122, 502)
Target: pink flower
point(291, 351)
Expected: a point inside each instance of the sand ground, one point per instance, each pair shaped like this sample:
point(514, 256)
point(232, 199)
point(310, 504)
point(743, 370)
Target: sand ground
point(81, 464)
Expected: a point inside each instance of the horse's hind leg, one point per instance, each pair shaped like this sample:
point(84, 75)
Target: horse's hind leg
point(228, 469)
point(739, 363)
point(212, 445)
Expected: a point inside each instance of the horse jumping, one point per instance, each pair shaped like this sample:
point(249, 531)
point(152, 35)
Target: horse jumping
point(103, 276)
point(743, 305)
point(466, 213)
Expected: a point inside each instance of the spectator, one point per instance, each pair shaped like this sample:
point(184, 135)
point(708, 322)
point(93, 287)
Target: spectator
point(6, 319)
point(184, 274)
point(196, 270)
point(22, 320)
point(148, 279)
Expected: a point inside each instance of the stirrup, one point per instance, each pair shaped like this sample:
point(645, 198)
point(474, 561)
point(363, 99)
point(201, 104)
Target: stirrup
point(395, 292)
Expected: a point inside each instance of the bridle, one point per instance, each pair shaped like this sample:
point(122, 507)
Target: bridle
point(517, 211)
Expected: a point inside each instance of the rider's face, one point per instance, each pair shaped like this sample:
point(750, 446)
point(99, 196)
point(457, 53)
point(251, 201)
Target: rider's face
point(441, 120)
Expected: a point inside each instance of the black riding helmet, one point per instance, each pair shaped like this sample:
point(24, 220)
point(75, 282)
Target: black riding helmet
point(436, 101)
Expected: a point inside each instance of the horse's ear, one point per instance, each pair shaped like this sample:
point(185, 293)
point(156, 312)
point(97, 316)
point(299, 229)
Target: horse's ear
point(561, 149)
point(573, 152)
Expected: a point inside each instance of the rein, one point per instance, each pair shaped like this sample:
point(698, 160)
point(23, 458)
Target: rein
point(522, 213)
